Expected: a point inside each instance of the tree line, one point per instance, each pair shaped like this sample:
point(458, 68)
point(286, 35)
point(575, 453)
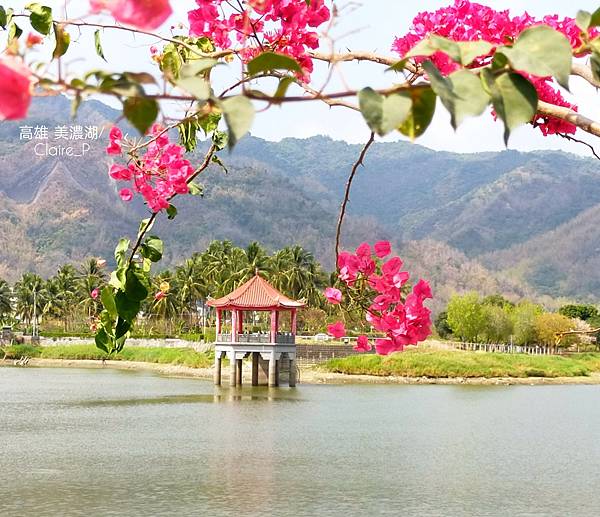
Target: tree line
point(494, 319)
point(66, 301)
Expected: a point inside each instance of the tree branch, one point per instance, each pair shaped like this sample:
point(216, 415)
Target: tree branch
point(573, 139)
point(584, 72)
point(358, 162)
point(568, 115)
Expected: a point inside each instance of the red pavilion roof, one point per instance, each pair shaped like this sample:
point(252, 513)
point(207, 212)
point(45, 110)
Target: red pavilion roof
point(256, 294)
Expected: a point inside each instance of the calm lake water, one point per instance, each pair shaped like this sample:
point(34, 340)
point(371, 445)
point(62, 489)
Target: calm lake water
point(105, 442)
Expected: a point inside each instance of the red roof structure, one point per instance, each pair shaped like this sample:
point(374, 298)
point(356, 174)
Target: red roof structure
point(256, 294)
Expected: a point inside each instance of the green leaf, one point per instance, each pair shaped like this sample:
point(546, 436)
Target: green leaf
point(471, 97)
point(145, 226)
point(197, 86)
point(122, 328)
point(127, 308)
point(282, 87)
point(514, 99)
point(3, 18)
point(463, 52)
point(442, 86)
point(595, 65)
point(141, 112)
point(541, 51)
point(583, 20)
point(40, 18)
point(239, 115)
point(171, 212)
point(102, 340)
point(383, 114)
point(121, 251)
point(63, 40)
point(14, 32)
point(216, 160)
point(152, 248)
point(98, 44)
point(193, 68)
point(195, 189)
point(108, 301)
point(268, 61)
point(421, 113)
point(220, 138)
point(135, 288)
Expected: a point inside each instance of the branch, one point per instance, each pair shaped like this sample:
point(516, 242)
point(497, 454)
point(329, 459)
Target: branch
point(567, 114)
point(560, 335)
point(205, 163)
point(584, 72)
point(573, 139)
point(358, 162)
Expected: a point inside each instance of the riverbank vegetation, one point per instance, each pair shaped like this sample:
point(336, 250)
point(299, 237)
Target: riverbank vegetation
point(176, 356)
point(494, 319)
point(452, 364)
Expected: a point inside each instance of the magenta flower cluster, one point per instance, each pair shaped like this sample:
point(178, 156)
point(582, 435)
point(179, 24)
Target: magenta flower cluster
point(470, 21)
point(401, 319)
point(158, 174)
point(282, 26)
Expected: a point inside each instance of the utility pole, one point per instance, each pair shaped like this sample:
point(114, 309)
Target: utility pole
point(34, 328)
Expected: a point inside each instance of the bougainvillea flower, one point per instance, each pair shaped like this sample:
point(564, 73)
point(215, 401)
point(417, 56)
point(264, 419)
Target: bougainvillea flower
point(33, 39)
point(160, 295)
point(142, 14)
point(333, 295)
point(126, 194)
point(362, 344)
point(15, 89)
point(337, 330)
point(382, 248)
point(95, 293)
point(115, 138)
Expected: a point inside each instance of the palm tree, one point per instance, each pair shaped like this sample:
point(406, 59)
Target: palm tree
point(90, 276)
point(166, 308)
point(191, 286)
point(6, 295)
point(63, 294)
point(31, 298)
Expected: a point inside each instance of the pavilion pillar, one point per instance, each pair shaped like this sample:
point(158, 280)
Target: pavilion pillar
point(272, 371)
point(232, 370)
point(217, 372)
point(239, 371)
point(273, 326)
point(233, 326)
point(255, 359)
point(240, 322)
point(292, 380)
point(218, 323)
point(294, 321)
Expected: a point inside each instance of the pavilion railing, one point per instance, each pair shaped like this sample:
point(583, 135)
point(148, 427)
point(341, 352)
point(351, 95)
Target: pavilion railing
point(284, 338)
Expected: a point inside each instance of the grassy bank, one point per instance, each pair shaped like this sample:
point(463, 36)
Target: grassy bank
point(450, 364)
point(178, 356)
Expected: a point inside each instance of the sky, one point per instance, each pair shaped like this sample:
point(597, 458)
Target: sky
point(369, 25)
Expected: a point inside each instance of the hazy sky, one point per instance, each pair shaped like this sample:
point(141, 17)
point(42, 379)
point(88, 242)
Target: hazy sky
point(369, 25)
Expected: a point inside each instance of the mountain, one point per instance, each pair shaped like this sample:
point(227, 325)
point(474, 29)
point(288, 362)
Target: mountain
point(514, 222)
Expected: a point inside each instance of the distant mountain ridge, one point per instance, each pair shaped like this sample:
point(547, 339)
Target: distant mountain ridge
point(529, 217)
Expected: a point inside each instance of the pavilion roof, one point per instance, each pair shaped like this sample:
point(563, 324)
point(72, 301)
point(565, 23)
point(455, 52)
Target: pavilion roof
point(255, 294)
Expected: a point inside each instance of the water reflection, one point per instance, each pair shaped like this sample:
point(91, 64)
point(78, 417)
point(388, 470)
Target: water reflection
point(102, 442)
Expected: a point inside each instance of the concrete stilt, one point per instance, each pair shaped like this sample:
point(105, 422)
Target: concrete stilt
point(277, 371)
point(255, 368)
point(217, 373)
point(292, 373)
point(272, 372)
point(239, 371)
point(232, 372)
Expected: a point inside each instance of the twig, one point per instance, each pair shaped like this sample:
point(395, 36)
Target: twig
point(358, 162)
point(573, 139)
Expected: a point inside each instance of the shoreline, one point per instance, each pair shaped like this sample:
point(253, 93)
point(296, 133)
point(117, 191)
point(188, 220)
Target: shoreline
point(312, 375)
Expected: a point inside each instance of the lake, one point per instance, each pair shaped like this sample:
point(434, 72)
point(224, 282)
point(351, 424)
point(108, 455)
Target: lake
point(109, 442)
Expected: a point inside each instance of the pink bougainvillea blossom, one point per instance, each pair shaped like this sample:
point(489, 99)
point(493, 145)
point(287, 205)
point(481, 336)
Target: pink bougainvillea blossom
point(33, 39)
point(15, 92)
point(382, 248)
point(160, 295)
point(95, 293)
point(282, 26)
point(142, 14)
point(333, 295)
point(470, 21)
point(158, 174)
point(400, 317)
point(362, 344)
point(337, 330)
point(126, 194)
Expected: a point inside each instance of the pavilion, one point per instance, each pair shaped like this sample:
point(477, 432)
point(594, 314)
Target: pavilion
point(239, 342)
